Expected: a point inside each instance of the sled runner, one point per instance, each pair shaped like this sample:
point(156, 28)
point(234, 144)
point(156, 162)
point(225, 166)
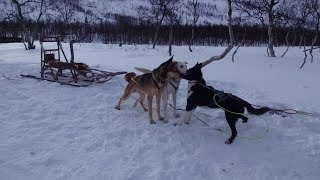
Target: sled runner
point(55, 67)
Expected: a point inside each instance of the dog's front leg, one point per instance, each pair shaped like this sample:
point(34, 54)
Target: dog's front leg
point(165, 105)
point(174, 98)
point(150, 97)
point(186, 118)
point(158, 98)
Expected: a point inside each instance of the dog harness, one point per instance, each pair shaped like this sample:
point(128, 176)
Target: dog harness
point(220, 96)
point(175, 87)
point(154, 80)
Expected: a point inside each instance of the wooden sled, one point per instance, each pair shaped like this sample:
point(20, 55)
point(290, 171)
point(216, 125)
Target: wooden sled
point(66, 72)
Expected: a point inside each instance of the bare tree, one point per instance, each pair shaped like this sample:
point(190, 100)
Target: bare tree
point(193, 8)
point(231, 45)
point(315, 7)
point(264, 11)
point(21, 19)
point(157, 13)
point(173, 18)
point(41, 7)
point(301, 18)
point(305, 53)
point(66, 9)
point(6, 11)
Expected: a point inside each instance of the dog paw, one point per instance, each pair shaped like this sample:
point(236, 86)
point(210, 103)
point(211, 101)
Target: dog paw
point(161, 118)
point(117, 107)
point(152, 122)
point(227, 142)
point(177, 115)
point(165, 121)
point(177, 124)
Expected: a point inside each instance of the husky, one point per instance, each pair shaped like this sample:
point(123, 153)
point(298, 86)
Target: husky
point(199, 94)
point(170, 87)
point(150, 84)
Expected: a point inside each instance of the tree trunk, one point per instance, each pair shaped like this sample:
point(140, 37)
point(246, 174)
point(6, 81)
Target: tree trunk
point(155, 39)
point(305, 54)
point(170, 40)
point(191, 40)
point(315, 38)
point(30, 41)
point(271, 40)
point(300, 41)
point(235, 51)
point(288, 44)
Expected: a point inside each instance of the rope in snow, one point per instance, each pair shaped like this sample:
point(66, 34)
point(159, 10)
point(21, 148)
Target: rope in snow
point(291, 111)
point(225, 132)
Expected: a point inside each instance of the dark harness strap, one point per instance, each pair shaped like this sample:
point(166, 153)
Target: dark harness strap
point(175, 87)
point(221, 95)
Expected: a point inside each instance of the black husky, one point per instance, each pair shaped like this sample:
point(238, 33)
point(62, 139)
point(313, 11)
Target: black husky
point(199, 94)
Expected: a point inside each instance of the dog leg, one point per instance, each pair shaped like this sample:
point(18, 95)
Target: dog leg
point(125, 96)
point(174, 98)
point(165, 105)
point(186, 118)
point(150, 97)
point(231, 119)
point(136, 103)
point(142, 98)
point(188, 115)
point(244, 119)
point(158, 98)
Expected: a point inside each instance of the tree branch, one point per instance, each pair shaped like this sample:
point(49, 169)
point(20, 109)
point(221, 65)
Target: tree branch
point(231, 45)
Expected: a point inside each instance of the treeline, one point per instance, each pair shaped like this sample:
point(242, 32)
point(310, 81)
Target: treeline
point(142, 33)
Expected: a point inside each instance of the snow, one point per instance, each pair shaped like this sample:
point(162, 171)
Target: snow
point(51, 131)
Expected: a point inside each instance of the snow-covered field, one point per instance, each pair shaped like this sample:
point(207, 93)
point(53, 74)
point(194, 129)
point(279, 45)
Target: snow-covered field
point(51, 131)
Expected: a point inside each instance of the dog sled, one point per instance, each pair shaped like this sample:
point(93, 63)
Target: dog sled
point(55, 67)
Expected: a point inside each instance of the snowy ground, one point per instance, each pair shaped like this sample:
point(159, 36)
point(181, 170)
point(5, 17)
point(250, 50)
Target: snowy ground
point(50, 131)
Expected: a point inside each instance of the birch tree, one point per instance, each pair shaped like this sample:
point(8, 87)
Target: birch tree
point(21, 15)
point(231, 35)
point(266, 11)
point(193, 7)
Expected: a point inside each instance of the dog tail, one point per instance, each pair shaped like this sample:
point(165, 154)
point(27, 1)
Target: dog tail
point(143, 70)
point(129, 76)
point(255, 111)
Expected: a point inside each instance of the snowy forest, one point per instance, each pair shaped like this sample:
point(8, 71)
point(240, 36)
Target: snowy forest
point(256, 22)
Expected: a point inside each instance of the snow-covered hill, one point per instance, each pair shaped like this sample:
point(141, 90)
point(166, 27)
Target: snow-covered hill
point(212, 11)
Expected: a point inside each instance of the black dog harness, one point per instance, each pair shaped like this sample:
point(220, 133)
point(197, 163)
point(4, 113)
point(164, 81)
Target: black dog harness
point(219, 96)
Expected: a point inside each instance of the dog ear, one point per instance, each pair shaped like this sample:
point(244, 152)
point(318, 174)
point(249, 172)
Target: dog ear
point(169, 61)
